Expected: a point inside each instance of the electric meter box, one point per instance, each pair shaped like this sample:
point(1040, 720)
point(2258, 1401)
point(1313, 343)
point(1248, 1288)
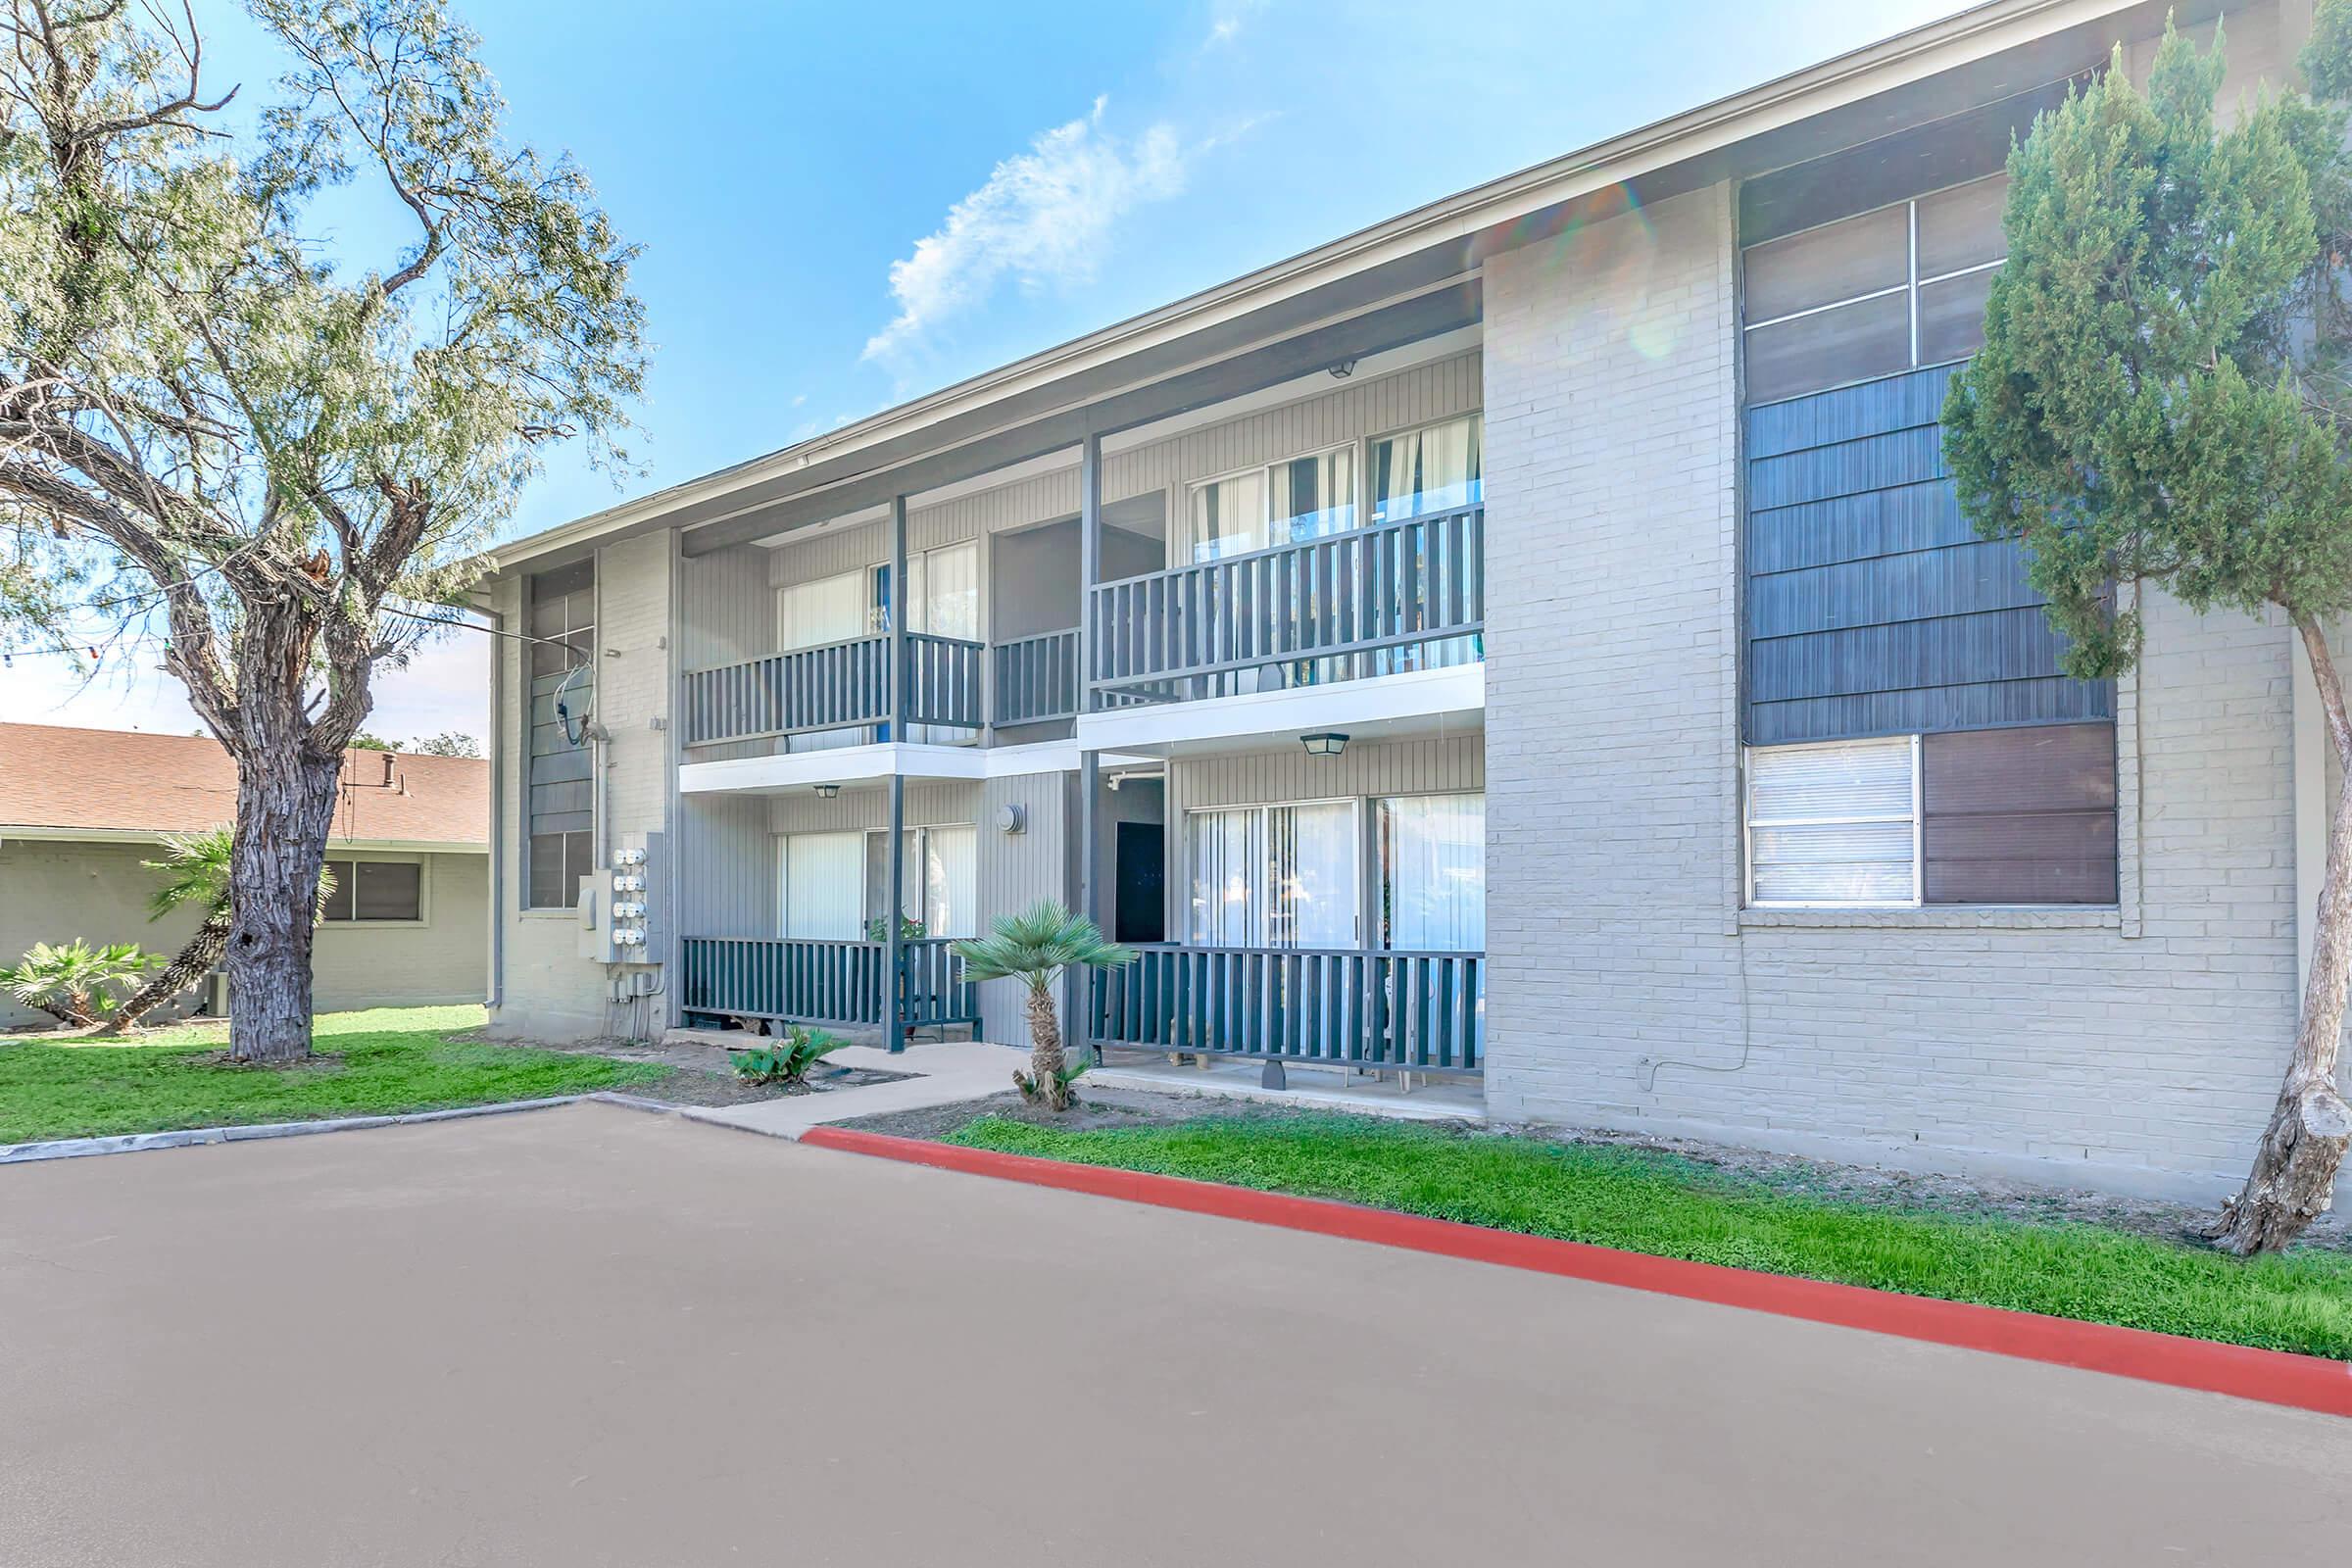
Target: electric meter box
point(620, 905)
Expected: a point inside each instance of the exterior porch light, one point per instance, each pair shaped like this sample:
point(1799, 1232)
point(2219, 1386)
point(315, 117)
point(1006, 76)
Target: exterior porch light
point(825, 792)
point(1328, 742)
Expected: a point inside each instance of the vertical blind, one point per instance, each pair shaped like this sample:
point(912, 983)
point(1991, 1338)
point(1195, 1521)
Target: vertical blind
point(1433, 850)
point(822, 899)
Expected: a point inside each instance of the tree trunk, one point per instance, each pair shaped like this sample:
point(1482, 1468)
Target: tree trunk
point(1046, 1062)
point(199, 956)
point(285, 806)
point(2294, 1171)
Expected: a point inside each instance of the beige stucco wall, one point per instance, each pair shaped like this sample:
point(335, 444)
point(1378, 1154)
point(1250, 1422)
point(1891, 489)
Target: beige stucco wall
point(55, 892)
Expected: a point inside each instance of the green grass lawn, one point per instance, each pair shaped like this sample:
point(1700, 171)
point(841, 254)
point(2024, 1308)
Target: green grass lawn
point(1650, 1201)
point(369, 1063)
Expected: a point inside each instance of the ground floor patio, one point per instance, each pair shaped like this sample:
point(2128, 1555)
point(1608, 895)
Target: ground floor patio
point(591, 1335)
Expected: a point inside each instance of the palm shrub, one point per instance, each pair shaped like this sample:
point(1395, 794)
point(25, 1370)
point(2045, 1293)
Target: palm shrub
point(75, 981)
point(1033, 947)
point(786, 1061)
point(195, 868)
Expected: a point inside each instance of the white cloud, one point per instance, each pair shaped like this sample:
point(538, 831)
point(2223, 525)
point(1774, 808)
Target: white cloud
point(1044, 218)
point(1225, 24)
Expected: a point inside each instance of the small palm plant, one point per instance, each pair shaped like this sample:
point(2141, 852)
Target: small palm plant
point(195, 868)
point(1033, 946)
point(788, 1059)
point(75, 981)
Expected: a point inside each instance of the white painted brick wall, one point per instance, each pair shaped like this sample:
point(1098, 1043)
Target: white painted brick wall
point(1626, 989)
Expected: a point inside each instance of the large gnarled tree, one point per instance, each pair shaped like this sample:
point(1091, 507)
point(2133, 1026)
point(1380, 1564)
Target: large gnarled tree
point(262, 451)
point(2162, 398)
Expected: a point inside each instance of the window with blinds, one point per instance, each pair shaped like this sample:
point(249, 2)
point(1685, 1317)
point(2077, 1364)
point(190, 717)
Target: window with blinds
point(375, 890)
point(2023, 816)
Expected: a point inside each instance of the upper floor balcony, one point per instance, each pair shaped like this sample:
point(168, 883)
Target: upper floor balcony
point(955, 688)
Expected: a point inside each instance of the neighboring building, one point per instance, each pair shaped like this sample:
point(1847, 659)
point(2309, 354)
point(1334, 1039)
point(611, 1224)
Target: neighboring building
point(1701, 771)
point(80, 808)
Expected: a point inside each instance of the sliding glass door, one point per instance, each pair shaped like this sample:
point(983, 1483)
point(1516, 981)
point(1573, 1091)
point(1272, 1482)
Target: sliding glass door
point(1275, 876)
point(939, 882)
point(1433, 872)
point(819, 896)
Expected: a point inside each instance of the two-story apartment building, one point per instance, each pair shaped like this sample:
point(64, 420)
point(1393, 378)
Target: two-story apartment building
point(1533, 642)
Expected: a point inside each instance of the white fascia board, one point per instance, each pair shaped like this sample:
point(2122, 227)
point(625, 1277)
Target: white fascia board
point(852, 765)
point(1456, 695)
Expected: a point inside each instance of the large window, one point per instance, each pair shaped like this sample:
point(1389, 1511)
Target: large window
point(2000, 816)
point(559, 849)
point(1437, 467)
point(822, 894)
point(1874, 294)
point(1274, 876)
point(1289, 876)
point(1300, 498)
point(376, 891)
point(1433, 872)
point(938, 881)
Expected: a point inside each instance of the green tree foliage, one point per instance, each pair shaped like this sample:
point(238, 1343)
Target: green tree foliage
point(215, 423)
point(2162, 399)
point(1034, 947)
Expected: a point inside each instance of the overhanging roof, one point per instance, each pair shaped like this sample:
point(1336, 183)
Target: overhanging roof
point(1401, 275)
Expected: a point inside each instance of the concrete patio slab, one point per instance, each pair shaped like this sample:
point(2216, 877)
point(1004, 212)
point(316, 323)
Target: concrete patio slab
point(588, 1336)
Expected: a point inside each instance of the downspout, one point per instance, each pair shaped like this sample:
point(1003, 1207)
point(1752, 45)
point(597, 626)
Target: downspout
point(498, 809)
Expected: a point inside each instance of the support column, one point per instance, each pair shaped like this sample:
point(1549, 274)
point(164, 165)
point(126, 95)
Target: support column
point(1078, 983)
point(894, 943)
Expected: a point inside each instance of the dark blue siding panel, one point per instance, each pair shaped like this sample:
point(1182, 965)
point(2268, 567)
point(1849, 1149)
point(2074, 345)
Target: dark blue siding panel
point(1872, 607)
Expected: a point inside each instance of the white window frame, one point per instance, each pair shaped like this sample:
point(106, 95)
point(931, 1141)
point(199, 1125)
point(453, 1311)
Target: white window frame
point(424, 890)
point(1375, 890)
point(920, 832)
point(1912, 282)
point(1374, 438)
point(1265, 472)
point(1262, 893)
point(1748, 825)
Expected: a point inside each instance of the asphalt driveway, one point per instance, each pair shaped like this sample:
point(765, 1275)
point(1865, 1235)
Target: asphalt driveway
point(592, 1336)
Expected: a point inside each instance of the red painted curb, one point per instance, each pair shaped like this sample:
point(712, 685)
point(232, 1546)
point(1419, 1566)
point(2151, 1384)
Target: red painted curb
point(2273, 1377)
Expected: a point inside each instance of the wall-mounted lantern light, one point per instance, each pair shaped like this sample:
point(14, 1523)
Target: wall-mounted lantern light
point(825, 792)
point(1326, 744)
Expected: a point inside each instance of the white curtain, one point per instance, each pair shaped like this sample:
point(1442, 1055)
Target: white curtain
point(1229, 516)
point(1227, 854)
point(1314, 497)
point(943, 598)
point(1431, 469)
point(1310, 880)
point(823, 885)
point(942, 880)
point(1434, 872)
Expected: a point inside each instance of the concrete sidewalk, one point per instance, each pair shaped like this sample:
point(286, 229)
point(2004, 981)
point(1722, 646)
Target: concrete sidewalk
point(946, 1072)
point(589, 1336)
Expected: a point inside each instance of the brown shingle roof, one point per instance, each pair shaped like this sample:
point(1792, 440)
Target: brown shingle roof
point(98, 781)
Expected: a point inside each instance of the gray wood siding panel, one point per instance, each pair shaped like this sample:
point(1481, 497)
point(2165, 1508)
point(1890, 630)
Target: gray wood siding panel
point(1404, 768)
point(930, 804)
point(729, 612)
point(1016, 871)
point(1870, 607)
point(727, 868)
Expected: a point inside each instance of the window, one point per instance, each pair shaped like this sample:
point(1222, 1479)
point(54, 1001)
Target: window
point(1432, 873)
point(1278, 876)
point(1300, 498)
point(2022, 816)
point(375, 890)
point(939, 880)
point(559, 850)
point(1874, 294)
point(1436, 469)
point(820, 896)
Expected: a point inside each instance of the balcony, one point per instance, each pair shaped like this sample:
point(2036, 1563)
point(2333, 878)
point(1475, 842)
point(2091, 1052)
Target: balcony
point(832, 983)
point(1388, 1012)
point(844, 685)
point(1321, 609)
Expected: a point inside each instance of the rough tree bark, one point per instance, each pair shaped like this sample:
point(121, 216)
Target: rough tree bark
point(202, 952)
point(1044, 1080)
point(2295, 1169)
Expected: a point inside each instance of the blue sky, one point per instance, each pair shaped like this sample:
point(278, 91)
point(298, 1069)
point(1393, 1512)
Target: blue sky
point(845, 205)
